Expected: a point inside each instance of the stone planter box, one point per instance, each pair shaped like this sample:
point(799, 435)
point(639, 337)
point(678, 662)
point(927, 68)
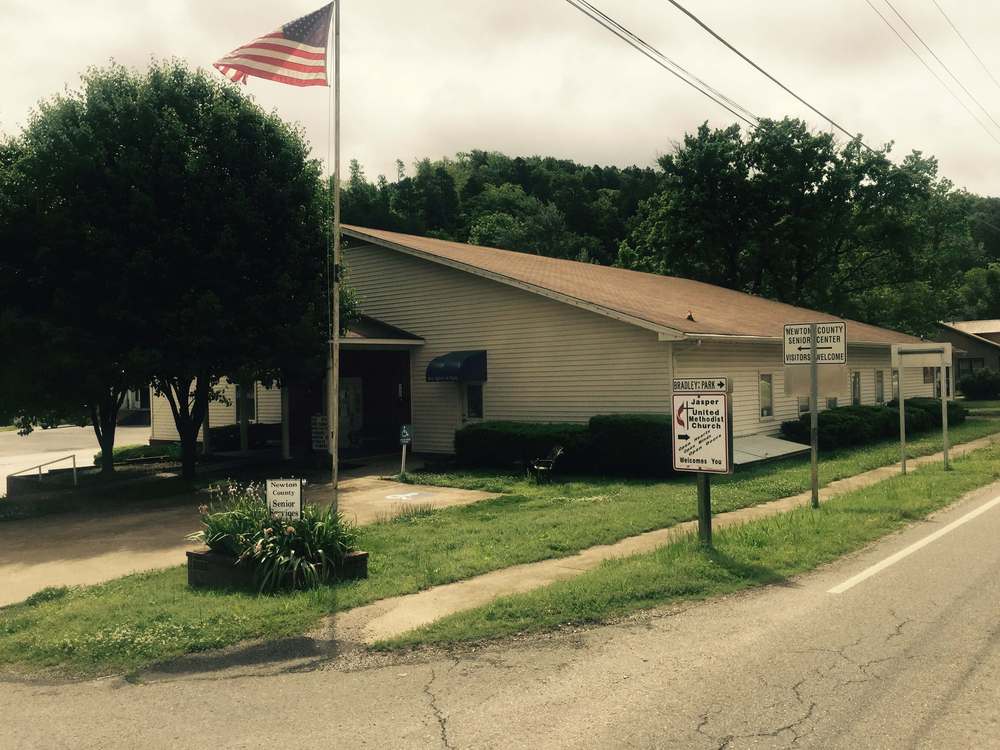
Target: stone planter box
point(216, 570)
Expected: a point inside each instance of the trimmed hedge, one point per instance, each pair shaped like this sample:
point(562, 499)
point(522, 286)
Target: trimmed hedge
point(846, 426)
point(982, 385)
point(932, 407)
point(631, 444)
point(504, 444)
point(227, 437)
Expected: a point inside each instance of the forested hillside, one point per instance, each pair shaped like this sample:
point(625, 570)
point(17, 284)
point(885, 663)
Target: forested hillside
point(782, 211)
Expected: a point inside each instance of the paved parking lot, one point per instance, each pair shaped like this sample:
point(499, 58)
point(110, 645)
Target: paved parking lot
point(73, 549)
point(17, 452)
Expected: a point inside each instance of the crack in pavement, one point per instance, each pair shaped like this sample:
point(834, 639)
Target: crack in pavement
point(436, 710)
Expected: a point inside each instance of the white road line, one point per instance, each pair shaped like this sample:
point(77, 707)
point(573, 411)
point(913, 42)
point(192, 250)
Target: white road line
point(893, 559)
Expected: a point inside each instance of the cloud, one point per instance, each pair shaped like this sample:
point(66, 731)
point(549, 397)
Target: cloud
point(536, 76)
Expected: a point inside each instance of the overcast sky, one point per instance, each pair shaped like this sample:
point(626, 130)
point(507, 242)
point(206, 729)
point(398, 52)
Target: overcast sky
point(436, 77)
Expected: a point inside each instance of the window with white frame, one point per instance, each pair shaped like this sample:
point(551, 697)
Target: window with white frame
point(803, 404)
point(879, 387)
point(831, 403)
point(766, 392)
point(856, 388)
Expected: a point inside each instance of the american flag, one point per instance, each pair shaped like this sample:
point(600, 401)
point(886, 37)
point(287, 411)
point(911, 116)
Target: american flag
point(294, 54)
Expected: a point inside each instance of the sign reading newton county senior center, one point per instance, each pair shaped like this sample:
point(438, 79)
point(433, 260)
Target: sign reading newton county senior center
point(701, 425)
point(831, 343)
point(284, 497)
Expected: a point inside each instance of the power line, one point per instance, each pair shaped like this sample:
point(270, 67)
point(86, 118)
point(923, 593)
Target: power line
point(932, 71)
point(941, 62)
point(633, 40)
point(966, 43)
point(759, 69)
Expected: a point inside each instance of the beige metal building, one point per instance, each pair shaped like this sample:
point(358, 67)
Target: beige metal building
point(487, 334)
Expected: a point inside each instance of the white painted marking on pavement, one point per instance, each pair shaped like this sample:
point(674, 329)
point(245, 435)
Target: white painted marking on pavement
point(893, 559)
point(404, 496)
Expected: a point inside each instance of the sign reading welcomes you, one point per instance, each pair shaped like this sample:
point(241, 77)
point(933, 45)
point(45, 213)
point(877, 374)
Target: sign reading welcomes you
point(284, 497)
point(831, 343)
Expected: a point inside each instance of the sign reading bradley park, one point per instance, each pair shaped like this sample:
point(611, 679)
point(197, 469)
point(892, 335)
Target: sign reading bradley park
point(831, 343)
point(701, 425)
point(284, 497)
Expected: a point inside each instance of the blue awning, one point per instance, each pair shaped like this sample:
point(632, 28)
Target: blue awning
point(458, 367)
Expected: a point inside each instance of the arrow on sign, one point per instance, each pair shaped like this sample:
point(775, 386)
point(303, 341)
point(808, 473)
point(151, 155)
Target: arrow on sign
point(807, 348)
point(682, 437)
point(722, 384)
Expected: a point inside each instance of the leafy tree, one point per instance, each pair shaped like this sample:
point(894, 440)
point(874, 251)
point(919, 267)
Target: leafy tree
point(176, 233)
point(784, 213)
point(980, 293)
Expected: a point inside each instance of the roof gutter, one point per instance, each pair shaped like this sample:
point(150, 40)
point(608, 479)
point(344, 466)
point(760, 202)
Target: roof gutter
point(664, 333)
point(735, 338)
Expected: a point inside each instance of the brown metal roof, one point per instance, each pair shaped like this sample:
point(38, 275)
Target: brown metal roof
point(978, 327)
point(659, 302)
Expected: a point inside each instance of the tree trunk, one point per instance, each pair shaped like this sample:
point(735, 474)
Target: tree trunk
point(189, 449)
point(107, 441)
point(104, 419)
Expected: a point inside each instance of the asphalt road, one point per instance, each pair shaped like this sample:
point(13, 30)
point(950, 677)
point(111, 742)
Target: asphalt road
point(17, 452)
point(907, 658)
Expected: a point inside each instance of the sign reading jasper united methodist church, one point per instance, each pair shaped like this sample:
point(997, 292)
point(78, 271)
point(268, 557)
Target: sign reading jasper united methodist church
point(701, 425)
point(831, 344)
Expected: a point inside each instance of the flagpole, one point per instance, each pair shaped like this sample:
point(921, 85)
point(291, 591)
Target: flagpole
point(334, 301)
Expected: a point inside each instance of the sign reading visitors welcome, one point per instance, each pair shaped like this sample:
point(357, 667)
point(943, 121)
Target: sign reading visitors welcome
point(701, 425)
point(831, 343)
point(284, 497)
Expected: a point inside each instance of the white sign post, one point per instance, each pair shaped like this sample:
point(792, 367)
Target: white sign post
point(815, 344)
point(702, 438)
point(405, 438)
point(284, 497)
point(922, 355)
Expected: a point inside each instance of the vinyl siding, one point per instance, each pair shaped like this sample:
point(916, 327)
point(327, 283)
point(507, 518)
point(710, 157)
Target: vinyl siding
point(219, 413)
point(743, 363)
point(546, 361)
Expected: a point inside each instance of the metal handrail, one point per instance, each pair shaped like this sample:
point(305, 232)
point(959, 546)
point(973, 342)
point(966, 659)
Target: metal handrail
point(53, 461)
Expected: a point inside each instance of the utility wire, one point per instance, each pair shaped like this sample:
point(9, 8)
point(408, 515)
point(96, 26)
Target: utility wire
point(941, 62)
point(932, 71)
point(966, 43)
point(623, 33)
point(759, 69)
point(673, 63)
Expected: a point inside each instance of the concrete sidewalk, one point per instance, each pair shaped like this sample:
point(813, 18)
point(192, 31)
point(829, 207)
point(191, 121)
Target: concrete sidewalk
point(392, 617)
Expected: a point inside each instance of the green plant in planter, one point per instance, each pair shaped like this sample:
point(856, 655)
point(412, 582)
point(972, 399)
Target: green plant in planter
point(285, 553)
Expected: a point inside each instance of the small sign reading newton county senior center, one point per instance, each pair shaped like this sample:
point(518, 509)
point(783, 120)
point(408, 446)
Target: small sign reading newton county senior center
point(284, 497)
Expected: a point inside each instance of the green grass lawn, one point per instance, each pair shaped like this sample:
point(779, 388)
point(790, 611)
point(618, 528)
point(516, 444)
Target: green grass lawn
point(983, 408)
point(140, 619)
point(994, 404)
point(757, 553)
